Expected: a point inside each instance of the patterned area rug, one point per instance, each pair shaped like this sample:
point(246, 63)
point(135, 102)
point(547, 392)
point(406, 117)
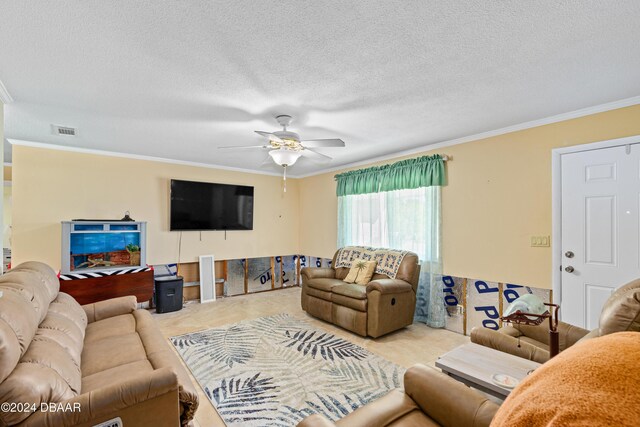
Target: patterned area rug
point(277, 370)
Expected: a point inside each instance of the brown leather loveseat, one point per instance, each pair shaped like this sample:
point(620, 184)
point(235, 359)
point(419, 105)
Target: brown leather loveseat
point(62, 364)
point(384, 305)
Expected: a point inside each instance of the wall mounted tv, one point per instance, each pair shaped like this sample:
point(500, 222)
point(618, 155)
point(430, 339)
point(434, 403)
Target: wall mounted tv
point(210, 206)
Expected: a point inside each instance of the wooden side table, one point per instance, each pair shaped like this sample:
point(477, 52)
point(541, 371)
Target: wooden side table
point(474, 365)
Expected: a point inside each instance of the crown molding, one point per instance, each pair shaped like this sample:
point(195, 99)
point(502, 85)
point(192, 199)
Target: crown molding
point(5, 96)
point(35, 144)
point(627, 102)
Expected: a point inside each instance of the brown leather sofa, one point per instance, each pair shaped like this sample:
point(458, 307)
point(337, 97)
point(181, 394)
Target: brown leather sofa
point(430, 398)
point(92, 363)
point(382, 306)
point(620, 313)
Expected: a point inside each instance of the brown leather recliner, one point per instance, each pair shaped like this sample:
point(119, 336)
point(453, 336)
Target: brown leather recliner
point(430, 398)
point(90, 363)
point(382, 306)
point(620, 313)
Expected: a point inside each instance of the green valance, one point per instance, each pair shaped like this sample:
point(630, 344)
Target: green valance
point(425, 171)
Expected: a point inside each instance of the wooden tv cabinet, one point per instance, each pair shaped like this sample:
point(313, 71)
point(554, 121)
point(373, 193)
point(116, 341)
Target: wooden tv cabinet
point(93, 289)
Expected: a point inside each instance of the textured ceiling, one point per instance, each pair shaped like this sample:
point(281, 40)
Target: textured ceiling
point(176, 79)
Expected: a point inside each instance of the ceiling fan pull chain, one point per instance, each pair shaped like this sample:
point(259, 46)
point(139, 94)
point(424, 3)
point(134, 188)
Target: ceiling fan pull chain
point(284, 178)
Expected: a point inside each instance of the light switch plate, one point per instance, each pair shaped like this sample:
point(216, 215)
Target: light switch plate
point(540, 241)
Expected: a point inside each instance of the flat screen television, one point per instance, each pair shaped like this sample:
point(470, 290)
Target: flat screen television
point(210, 206)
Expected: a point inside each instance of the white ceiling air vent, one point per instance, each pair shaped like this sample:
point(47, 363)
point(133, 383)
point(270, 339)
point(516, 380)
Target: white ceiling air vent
point(63, 130)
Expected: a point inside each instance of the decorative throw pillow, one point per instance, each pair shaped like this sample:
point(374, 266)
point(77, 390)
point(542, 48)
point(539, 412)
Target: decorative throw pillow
point(361, 272)
point(590, 384)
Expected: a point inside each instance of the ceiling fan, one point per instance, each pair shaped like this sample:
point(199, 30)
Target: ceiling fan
point(286, 147)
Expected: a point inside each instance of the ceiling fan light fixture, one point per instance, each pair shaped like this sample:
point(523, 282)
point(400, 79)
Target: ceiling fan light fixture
point(284, 157)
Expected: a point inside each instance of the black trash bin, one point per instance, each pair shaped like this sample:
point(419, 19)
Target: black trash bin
point(168, 294)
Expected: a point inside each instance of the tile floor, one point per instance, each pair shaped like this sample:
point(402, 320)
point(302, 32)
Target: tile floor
point(416, 344)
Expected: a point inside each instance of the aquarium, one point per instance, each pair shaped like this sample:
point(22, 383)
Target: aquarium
point(98, 246)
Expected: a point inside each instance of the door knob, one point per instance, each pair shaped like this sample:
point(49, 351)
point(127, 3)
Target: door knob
point(569, 269)
point(568, 254)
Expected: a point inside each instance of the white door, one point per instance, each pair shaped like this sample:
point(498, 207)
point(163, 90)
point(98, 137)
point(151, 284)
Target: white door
point(600, 229)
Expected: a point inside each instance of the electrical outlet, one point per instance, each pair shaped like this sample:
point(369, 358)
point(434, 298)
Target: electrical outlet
point(540, 241)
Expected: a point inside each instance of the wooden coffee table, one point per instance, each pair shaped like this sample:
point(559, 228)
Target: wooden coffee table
point(475, 364)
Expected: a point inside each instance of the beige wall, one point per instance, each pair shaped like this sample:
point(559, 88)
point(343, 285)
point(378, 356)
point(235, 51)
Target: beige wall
point(6, 216)
point(498, 196)
point(50, 186)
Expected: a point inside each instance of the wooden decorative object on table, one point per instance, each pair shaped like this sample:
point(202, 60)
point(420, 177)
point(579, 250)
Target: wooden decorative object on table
point(530, 310)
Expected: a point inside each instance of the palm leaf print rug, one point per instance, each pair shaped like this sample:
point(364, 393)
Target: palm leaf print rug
point(277, 370)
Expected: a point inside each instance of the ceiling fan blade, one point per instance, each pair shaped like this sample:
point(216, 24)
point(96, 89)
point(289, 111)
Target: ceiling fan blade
point(268, 161)
point(243, 147)
point(317, 143)
point(315, 156)
point(271, 136)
